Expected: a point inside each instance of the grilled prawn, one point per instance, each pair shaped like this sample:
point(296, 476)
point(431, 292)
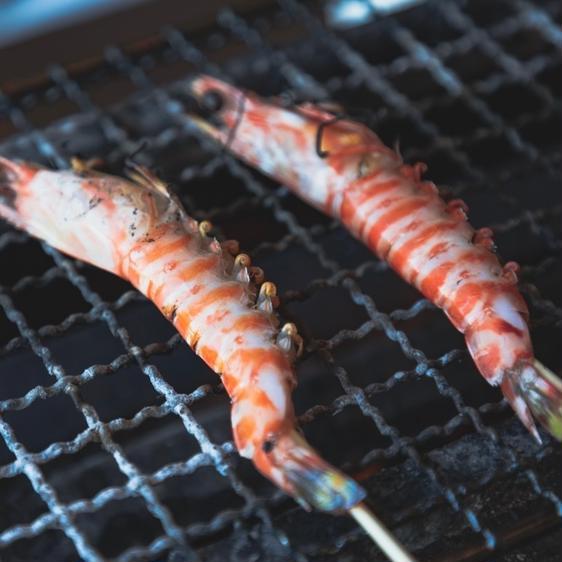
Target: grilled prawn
point(138, 230)
point(343, 169)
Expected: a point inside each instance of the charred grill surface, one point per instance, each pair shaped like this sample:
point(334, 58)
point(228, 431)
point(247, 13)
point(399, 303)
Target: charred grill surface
point(115, 439)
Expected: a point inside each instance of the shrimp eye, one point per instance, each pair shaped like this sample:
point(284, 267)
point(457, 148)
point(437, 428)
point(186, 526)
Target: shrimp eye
point(212, 101)
point(268, 445)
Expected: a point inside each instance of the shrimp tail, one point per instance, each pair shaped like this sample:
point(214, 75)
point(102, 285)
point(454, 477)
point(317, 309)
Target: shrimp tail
point(534, 390)
point(517, 400)
point(312, 481)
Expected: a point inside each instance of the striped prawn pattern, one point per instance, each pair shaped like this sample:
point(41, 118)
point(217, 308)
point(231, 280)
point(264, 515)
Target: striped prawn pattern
point(138, 230)
point(343, 169)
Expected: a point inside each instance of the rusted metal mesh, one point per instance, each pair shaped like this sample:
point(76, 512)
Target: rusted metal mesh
point(469, 87)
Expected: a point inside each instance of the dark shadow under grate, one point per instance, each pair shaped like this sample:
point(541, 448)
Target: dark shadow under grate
point(123, 433)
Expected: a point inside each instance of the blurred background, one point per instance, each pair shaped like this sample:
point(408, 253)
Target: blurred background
point(34, 33)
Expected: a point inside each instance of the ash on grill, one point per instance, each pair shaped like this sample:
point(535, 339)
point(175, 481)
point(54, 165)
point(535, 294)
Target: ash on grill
point(115, 438)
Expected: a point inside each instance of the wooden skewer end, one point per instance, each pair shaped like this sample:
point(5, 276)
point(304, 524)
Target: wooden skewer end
point(380, 535)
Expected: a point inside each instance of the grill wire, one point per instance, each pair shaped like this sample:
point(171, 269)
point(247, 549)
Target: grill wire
point(386, 388)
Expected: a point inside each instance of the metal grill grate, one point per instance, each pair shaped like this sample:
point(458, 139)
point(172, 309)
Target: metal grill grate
point(127, 445)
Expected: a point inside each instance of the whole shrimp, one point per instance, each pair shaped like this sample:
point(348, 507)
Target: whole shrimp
point(138, 230)
point(343, 169)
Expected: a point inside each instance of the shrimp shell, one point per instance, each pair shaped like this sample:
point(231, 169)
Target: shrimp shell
point(343, 169)
point(138, 230)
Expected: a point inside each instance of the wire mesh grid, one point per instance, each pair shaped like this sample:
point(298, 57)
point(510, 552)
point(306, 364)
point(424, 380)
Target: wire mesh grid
point(386, 388)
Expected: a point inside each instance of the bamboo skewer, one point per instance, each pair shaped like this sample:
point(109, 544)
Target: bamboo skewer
point(381, 536)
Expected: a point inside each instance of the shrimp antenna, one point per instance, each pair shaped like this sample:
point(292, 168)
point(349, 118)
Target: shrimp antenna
point(380, 534)
point(143, 143)
point(363, 114)
point(320, 133)
point(239, 116)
